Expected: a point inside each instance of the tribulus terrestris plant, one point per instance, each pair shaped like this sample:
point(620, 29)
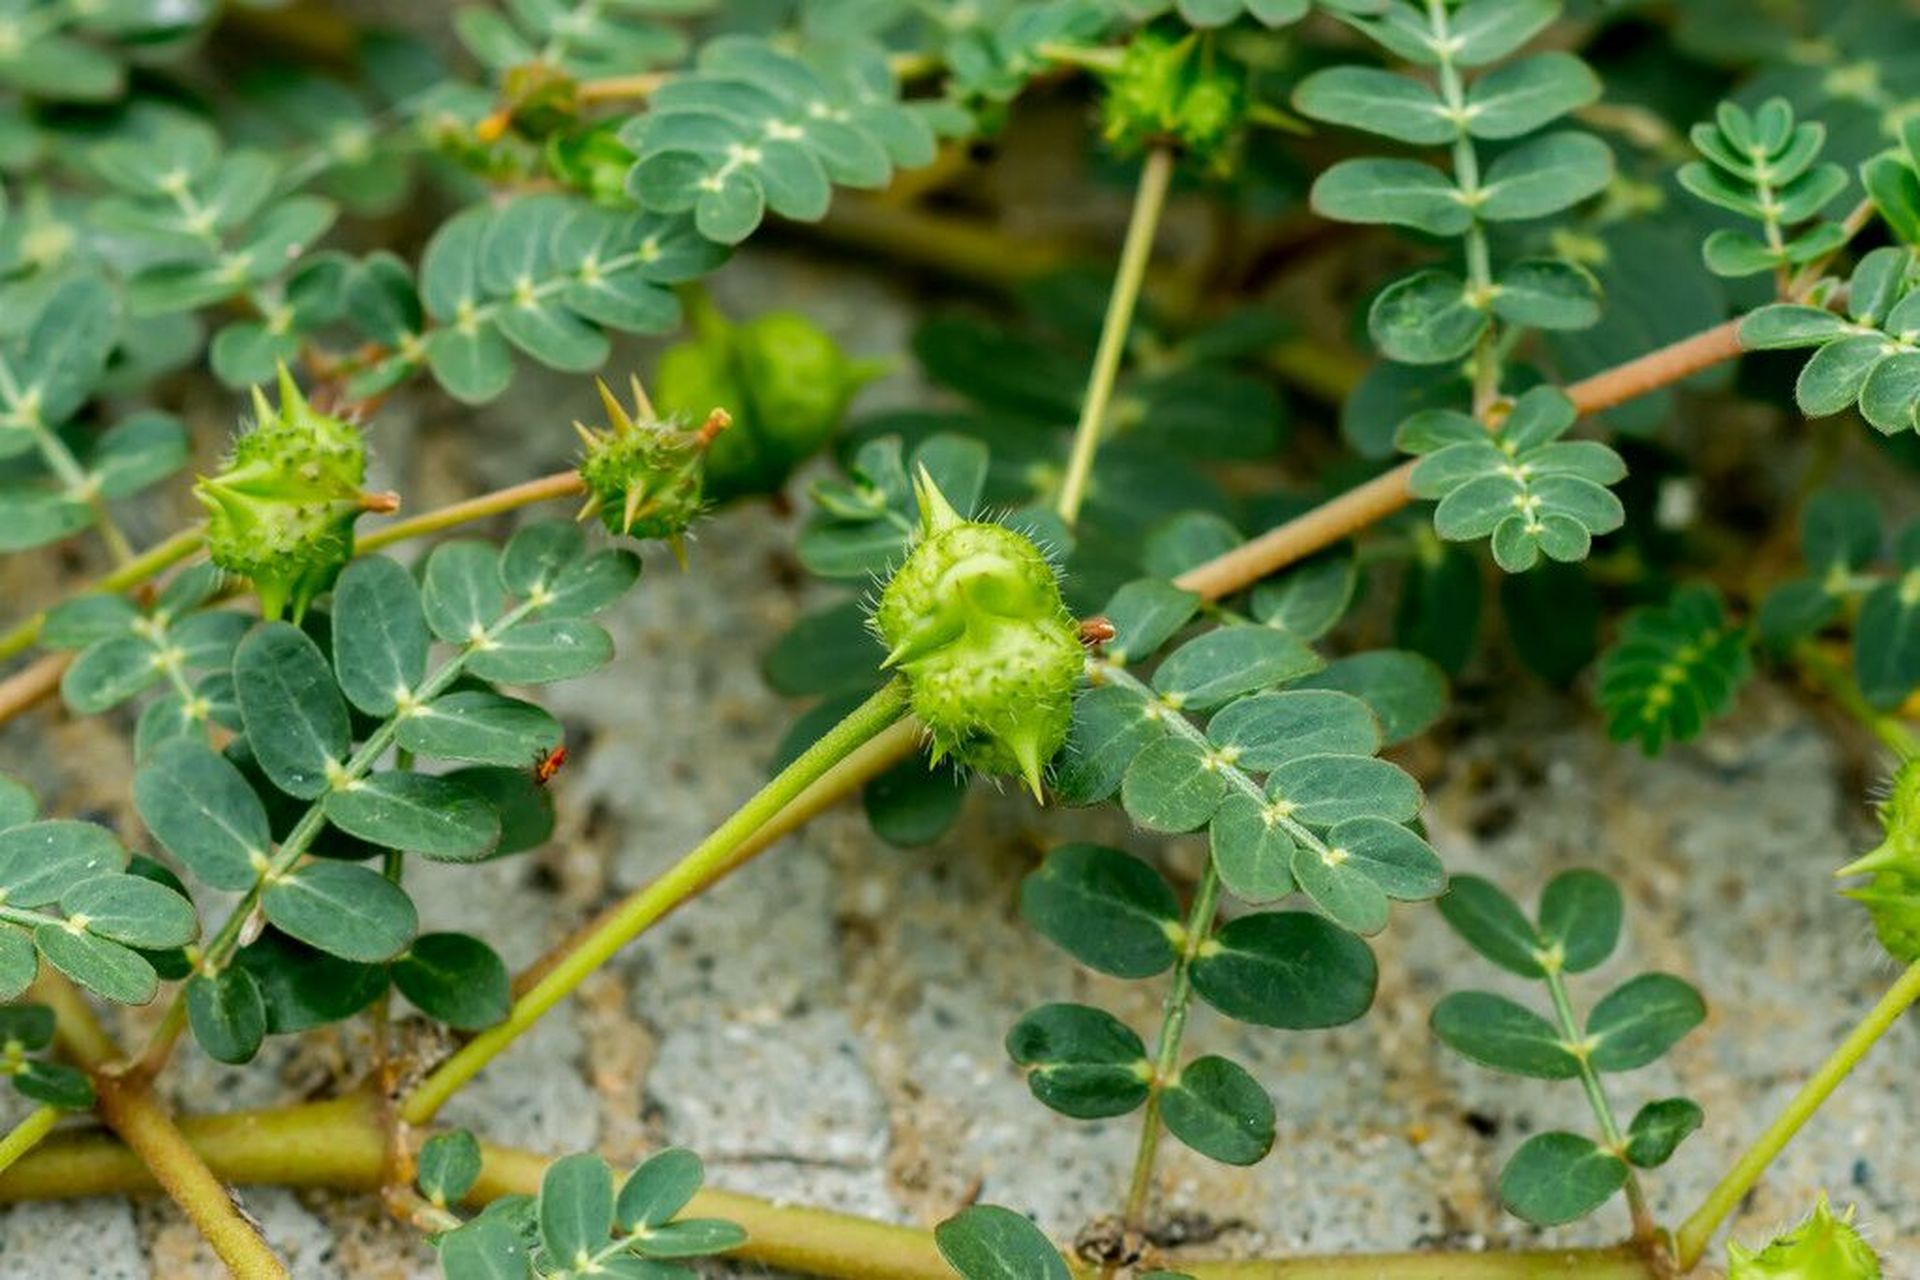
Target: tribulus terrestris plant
point(1136, 541)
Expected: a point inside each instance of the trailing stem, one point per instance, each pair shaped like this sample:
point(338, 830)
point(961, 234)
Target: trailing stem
point(337, 1145)
point(711, 859)
point(26, 1135)
point(1697, 1232)
point(1151, 197)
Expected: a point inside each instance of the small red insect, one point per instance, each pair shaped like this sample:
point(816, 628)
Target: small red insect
point(548, 763)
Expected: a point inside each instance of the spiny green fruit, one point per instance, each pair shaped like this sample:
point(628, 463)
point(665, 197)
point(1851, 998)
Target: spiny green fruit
point(783, 380)
point(644, 474)
point(1822, 1247)
point(280, 512)
point(974, 620)
point(1171, 89)
point(1892, 895)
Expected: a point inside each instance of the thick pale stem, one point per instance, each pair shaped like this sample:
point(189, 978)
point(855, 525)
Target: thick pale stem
point(1697, 1231)
point(713, 858)
point(132, 1111)
point(338, 1145)
point(1148, 201)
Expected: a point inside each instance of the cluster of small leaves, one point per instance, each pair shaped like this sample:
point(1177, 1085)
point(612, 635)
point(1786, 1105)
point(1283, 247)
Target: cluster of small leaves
point(580, 39)
point(1672, 668)
point(751, 128)
point(72, 897)
point(1434, 316)
point(1869, 357)
point(1115, 913)
point(1764, 166)
point(1520, 485)
point(1558, 1176)
point(49, 370)
point(1283, 775)
point(122, 650)
point(204, 225)
point(77, 50)
point(1852, 575)
point(578, 1224)
point(548, 275)
point(304, 789)
point(27, 1030)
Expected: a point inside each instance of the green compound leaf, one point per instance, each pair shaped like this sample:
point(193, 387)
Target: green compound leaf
point(456, 979)
point(1495, 1032)
point(1171, 786)
point(480, 728)
point(1426, 318)
point(108, 672)
point(1404, 193)
point(576, 1208)
point(107, 969)
point(448, 1167)
point(1080, 1061)
point(17, 803)
point(1762, 166)
point(661, 1186)
point(986, 1242)
point(1407, 691)
point(1229, 661)
point(417, 813)
point(1559, 1177)
point(1323, 790)
point(296, 719)
point(19, 962)
point(1580, 915)
point(1672, 669)
point(1310, 598)
point(587, 586)
point(1252, 851)
point(1286, 969)
point(1269, 729)
point(1110, 727)
point(55, 1085)
point(304, 988)
point(1382, 102)
point(1531, 493)
point(1514, 100)
point(1492, 923)
point(201, 810)
point(1108, 909)
point(41, 861)
point(691, 1238)
point(1344, 894)
point(1145, 614)
point(1659, 1128)
point(1485, 31)
point(544, 651)
point(342, 909)
point(380, 639)
point(1544, 175)
point(485, 1249)
point(461, 592)
point(1637, 1022)
point(1547, 293)
point(1218, 1109)
point(227, 1014)
point(1886, 649)
point(131, 910)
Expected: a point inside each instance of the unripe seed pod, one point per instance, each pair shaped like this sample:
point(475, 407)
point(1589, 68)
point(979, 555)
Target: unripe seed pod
point(783, 380)
point(1166, 90)
point(1823, 1247)
point(1892, 894)
point(280, 513)
point(643, 475)
point(974, 621)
